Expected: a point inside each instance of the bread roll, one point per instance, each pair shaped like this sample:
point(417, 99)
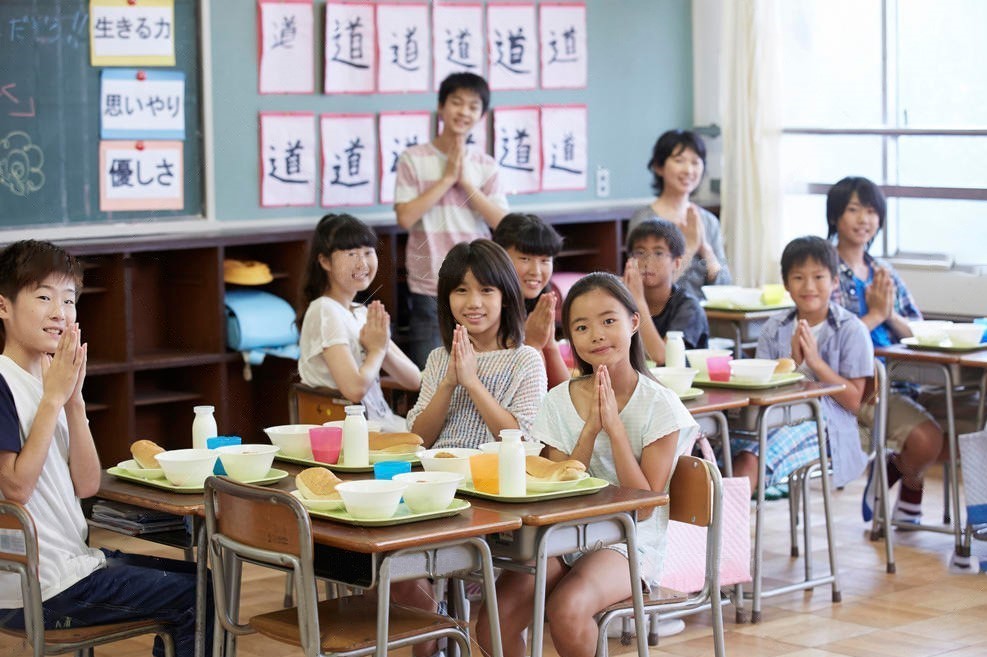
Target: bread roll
point(317, 484)
point(387, 441)
point(784, 366)
point(145, 452)
point(543, 469)
point(444, 455)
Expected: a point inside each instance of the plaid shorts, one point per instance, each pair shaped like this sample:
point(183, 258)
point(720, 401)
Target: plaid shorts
point(788, 449)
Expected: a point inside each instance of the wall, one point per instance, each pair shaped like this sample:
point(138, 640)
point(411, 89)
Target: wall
point(640, 84)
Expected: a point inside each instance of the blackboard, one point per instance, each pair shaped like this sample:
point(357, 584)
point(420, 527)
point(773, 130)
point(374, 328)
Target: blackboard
point(49, 115)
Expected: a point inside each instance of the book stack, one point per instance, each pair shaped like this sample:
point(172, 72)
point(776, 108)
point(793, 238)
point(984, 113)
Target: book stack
point(133, 520)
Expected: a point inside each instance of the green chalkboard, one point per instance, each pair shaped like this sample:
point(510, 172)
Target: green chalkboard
point(49, 115)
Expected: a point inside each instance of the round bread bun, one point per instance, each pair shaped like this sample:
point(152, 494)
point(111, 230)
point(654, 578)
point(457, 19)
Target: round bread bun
point(444, 455)
point(543, 469)
point(145, 452)
point(784, 366)
point(317, 484)
point(385, 441)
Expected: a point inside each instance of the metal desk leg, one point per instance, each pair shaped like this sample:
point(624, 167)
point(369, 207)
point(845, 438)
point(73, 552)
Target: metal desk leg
point(827, 502)
point(983, 399)
point(541, 576)
point(490, 597)
point(630, 536)
point(383, 607)
point(954, 454)
point(762, 438)
point(201, 582)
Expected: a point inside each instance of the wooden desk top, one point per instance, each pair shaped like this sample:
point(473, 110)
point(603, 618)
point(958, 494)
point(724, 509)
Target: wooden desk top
point(718, 399)
point(904, 353)
point(742, 315)
point(612, 499)
point(156, 499)
point(793, 393)
point(974, 359)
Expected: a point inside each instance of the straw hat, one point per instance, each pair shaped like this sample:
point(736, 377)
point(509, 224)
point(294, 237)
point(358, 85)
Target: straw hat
point(246, 272)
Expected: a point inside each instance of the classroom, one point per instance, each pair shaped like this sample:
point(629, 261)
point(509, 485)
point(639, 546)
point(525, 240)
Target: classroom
point(261, 216)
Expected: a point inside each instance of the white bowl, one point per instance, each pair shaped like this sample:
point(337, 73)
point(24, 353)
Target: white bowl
point(752, 370)
point(292, 439)
point(697, 357)
point(458, 463)
point(187, 467)
point(247, 462)
point(679, 379)
point(720, 293)
point(132, 467)
point(372, 425)
point(930, 332)
point(371, 499)
point(429, 491)
point(531, 447)
point(318, 505)
point(965, 335)
point(746, 297)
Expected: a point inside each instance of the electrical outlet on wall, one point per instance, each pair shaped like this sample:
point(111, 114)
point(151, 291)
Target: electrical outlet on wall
point(602, 182)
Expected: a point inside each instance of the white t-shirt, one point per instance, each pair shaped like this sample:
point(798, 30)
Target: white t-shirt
point(328, 323)
point(652, 412)
point(63, 556)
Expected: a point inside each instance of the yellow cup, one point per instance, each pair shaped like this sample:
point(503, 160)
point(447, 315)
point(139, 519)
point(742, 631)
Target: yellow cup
point(772, 294)
point(484, 470)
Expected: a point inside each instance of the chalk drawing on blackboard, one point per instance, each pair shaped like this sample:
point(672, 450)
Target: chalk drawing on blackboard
point(21, 163)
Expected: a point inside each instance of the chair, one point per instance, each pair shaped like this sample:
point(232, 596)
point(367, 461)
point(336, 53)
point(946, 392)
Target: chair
point(695, 497)
point(311, 405)
point(23, 560)
point(271, 528)
point(881, 523)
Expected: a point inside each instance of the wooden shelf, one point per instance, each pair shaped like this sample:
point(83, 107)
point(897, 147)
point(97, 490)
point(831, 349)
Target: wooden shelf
point(153, 397)
point(175, 358)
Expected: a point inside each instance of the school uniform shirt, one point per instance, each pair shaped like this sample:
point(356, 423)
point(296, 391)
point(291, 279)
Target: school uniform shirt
point(852, 295)
point(328, 323)
point(652, 412)
point(683, 312)
point(448, 222)
point(63, 556)
point(844, 343)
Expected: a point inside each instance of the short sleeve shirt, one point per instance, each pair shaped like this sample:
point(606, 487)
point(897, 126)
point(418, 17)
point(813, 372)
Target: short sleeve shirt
point(683, 312)
point(10, 428)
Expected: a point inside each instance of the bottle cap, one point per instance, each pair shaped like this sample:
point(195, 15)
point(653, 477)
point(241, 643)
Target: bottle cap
point(355, 408)
point(511, 434)
point(204, 409)
point(674, 334)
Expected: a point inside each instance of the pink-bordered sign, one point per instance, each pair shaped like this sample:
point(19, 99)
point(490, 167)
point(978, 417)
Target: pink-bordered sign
point(458, 40)
point(564, 49)
point(350, 55)
point(512, 46)
point(517, 148)
point(141, 175)
point(285, 42)
point(288, 172)
point(349, 159)
point(398, 131)
point(403, 51)
point(564, 147)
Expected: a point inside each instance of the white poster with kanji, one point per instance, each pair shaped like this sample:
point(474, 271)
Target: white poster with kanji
point(121, 33)
point(351, 48)
point(562, 29)
point(563, 129)
point(285, 41)
point(349, 159)
point(402, 41)
point(288, 150)
point(517, 148)
point(477, 137)
point(141, 175)
point(398, 131)
point(457, 38)
point(512, 42)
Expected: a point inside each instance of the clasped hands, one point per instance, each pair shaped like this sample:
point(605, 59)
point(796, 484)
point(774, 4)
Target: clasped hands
point(462, 367)
point(63, 373)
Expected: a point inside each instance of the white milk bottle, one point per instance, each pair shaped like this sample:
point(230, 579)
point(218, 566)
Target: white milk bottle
point(203, 426)
point(674, 349)
point(356, 439)
point(510, 464)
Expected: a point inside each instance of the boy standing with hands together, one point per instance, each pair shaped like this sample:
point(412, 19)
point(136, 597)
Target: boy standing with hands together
point(444, 195)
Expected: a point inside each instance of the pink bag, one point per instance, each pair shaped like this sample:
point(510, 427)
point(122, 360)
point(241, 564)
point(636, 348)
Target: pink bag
point(685, 559)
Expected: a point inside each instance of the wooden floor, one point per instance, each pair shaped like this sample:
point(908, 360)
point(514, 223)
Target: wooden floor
point(921, 611)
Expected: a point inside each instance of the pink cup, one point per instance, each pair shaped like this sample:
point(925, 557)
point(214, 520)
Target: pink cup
point(719, 368)
point(326, 443)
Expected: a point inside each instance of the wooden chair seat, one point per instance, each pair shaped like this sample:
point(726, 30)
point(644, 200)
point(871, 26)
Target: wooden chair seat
point(350, 623)
point(91, 634)
point(659, 596)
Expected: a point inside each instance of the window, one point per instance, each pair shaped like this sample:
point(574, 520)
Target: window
point(893, 90)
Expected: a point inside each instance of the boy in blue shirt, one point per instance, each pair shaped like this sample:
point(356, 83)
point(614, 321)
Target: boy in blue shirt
point(48, 461)
point(828, 343)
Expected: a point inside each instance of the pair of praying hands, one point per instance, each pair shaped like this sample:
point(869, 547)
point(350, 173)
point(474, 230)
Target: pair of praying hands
point(539, 328)
point(456, 165)
point(603, 412)
point(461, 370)
point(880, 294)
point(805, 349)
point(63, 373)
point(376, 332)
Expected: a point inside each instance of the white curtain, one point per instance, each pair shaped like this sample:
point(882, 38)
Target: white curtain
point(750, 193)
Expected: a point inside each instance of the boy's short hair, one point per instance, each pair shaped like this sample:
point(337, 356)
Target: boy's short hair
point(528, 234)
point(469, 82)
point(661, 229)
point(810, 247)
point(839, 195)
point(29, 262)
point(667, 145)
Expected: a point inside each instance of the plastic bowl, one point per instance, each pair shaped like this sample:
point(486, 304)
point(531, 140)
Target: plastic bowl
point(678, 379)
point(371, 499)
point(458, 463)
point(965, 335)
point(930, 332)
point(746, 297)
point(292, 439)
point(720, 293)
point(531, 447)
point(187, 467)
point(429, 491)
point(752, 370)
point(697, 357)
point(247, 462)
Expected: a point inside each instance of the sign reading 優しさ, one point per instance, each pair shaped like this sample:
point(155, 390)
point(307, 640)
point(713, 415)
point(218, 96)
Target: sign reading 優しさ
point(132, 33)
point(141, 175)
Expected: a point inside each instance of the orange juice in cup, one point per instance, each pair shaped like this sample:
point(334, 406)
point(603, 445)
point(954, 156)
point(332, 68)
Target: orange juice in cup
point(485, 473)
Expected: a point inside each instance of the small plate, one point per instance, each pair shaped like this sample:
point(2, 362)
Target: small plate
point(376, 456)
point(318, 505)
point(587, 486)
point(133, 468)
point(401, 516)
point(335, 467)
point(776, 381)
point(273, 475)
point(538, 486)
point(691, 393)
point(945, 345)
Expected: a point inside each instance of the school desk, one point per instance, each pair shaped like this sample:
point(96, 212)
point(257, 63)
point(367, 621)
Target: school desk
point(741, 326)
point(709, 410)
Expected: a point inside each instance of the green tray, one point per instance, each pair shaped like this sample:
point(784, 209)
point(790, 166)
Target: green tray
point(776, 381)
point(945, 345)
point(273, 475)
point(691, 393)
point(587, 486)
point(403, 515)
point(727, 305)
